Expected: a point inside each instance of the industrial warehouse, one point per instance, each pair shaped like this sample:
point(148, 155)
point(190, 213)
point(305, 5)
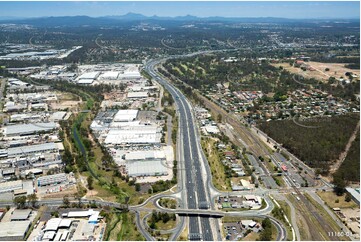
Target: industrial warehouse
point(126, 130)
point(134, 142)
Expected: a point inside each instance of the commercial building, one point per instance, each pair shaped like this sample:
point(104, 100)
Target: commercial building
point(20, 214)
point(144, 155)
point(212, 129)
point(57, 223)
point(137, 95)
point(131, 72)
point(14, 231)
point(28, 129)
point(57, 116)
point(109, 75)
point(30, 149)
point(52, 179)
point(137, 135)
point(81, 214)
point(11, 186)
point(147, 168)
point(125, 115)
point(88, 77)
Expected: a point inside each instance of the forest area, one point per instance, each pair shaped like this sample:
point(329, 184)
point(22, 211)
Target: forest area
point(349, 170)
point(320, 143)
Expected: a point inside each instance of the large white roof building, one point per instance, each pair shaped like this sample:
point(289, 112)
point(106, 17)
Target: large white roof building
point(137, 94)
point(147, 168)
point(24, 129)
point(125, 115)
point(109, 75)
point(134, 136)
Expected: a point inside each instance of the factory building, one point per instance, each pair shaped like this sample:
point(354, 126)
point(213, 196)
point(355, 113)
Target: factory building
point(30, 149)
point(9, 233)
point(88, 77)
point(125, 115)
point(109, 75)
point(52, 179)
point(137, 95)
point(11, 186)
point(28, 129)
point(20, 214)
point(147, 168)
point(136, 135)
point(57, 116)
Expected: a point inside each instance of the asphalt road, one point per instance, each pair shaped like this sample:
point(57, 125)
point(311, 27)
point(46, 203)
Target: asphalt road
point(195, 182)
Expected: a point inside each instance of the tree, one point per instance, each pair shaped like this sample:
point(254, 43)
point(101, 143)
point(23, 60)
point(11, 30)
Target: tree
point(90, 181)
point(339, 183)
point(20, 201)
point(165, 217)
point(266, 234)
point(55, 214)
point(32, 198)
point(266, 223)
point(348, 197)
point(66, 201)
point(219, 118)
point(137, 187)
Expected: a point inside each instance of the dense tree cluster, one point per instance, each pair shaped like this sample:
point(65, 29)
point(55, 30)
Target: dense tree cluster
point(266, 234)
point(159, 216)
point(315, 146)
point(350, 167)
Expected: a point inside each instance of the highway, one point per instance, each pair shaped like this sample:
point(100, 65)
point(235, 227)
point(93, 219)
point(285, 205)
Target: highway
point(195, 187)
point(196, 181)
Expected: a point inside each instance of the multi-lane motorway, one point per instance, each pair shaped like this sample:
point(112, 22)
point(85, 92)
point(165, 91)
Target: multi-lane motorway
point(195, 177)
point(195, 185)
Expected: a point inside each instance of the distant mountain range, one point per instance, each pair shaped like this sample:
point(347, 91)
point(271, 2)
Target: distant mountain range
point(134, 17)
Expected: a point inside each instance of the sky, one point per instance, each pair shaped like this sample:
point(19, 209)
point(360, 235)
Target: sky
point(284, 9)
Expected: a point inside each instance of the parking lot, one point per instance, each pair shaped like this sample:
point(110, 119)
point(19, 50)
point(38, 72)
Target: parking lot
point(233, 230)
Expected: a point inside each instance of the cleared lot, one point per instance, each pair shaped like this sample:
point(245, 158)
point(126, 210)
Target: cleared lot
point(336, 70)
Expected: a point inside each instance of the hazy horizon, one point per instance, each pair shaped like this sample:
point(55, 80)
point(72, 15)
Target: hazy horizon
point(283, 9)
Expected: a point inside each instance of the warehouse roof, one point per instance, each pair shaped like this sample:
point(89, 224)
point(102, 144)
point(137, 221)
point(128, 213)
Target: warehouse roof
point(85, 81)
point(94, 217)
point(89, 75)
point(65, 223)
point(125, 115)
point(49, 235)
point(20, 214)
point(77, 214)
point(110, 75)
point(133, 136)
point(7, 228)
point(52, 177)
point(137, 94)
point(57, 116)
point(144, 155)
point(146, 168)
point(52, 224)
point(11, 185)
point(125, 124)
point(32, 149)
point(28, 128)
